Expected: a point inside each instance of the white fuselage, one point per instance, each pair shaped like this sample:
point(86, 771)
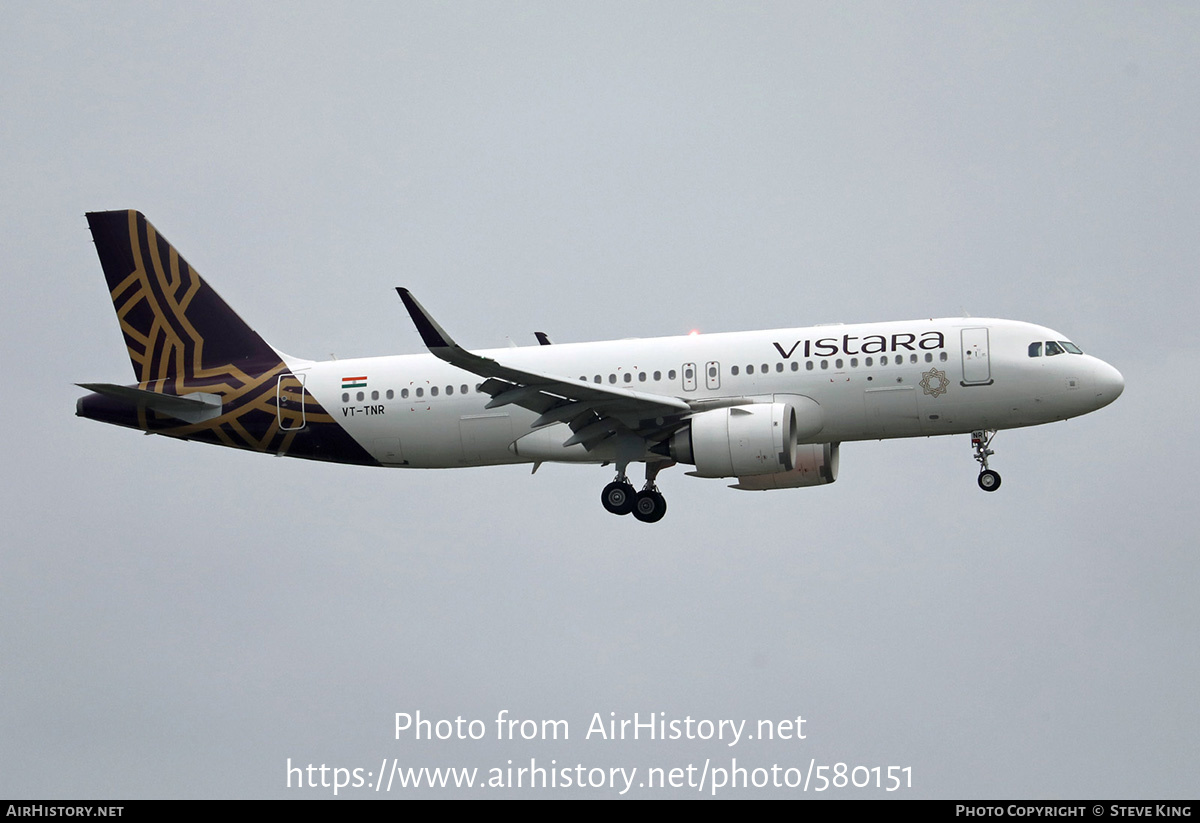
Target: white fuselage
point(871, 381)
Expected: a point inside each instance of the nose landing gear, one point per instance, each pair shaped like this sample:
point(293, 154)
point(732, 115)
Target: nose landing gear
point(989, 480)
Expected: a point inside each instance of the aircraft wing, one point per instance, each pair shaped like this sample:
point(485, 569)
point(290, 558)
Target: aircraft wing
point(594, 412)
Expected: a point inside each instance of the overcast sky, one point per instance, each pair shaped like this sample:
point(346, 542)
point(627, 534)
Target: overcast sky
point(178, 620)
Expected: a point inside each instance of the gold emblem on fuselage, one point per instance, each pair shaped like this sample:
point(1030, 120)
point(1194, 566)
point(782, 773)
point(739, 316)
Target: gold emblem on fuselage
point(934, 382)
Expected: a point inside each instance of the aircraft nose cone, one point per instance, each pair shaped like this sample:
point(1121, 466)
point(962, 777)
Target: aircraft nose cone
point(1109, 383)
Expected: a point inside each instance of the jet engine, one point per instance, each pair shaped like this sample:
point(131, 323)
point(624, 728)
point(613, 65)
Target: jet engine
point(816, 465)
point(739, 441)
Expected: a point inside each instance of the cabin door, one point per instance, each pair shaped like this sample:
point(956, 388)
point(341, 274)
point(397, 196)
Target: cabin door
point(976, 363)
point(289, 402)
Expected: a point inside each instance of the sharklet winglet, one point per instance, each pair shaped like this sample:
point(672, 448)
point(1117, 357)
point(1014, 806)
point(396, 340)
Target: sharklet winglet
point(435, 336)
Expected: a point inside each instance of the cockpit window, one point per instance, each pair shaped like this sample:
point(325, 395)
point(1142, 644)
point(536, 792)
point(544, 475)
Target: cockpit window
point(1053, 348)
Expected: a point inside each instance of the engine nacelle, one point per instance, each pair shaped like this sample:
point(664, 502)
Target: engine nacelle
point(816, 465)
point(739, 441)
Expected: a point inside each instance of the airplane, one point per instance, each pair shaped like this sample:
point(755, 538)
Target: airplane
point(766, 408)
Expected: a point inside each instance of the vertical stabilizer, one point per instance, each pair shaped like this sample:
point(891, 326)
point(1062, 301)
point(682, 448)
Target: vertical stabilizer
point(175, 325)
point(202, 373)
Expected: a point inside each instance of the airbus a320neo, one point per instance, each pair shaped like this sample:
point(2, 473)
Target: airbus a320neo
point(767, 409)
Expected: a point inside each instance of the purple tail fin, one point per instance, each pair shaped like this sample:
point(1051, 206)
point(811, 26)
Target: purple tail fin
point(175, 325)
point(202, 373)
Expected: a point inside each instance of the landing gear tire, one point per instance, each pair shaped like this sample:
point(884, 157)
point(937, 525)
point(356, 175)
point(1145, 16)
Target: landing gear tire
point(618, 498)
point(989, 480)
point(649, 506)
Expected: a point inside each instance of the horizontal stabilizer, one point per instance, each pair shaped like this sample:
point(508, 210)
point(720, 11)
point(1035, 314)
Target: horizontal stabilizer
point(195, 407)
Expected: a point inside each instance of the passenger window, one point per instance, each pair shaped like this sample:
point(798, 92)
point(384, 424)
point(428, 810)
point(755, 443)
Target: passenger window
point(628, 377)
point(733, 370)
point(345, 397)
point(374, 395)
point(433, 391)
point(463, 388)
point(795, 366)
point(778, 367)
point(766, 368)
point(404, 394)
point(420, 392)
point(928, 357)
point(597, 379)
point(641, 377)
point(824, 364)
point(809, 365)
point(449, 390)
point(612, 378)
point(712, 371)
point(657, 376)
point(671, 374)
point(749, 370)
point(838, 363)
point(359, 395)
point(854, 362)
point(943, 357)
point(390, 394)
point(868, 362)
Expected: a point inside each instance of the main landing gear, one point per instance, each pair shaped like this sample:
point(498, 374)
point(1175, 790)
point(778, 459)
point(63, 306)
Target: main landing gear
point(648, 505)
point(989, 480)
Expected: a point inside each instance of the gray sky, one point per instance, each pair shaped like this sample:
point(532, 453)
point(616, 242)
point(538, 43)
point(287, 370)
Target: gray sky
point(178, 620)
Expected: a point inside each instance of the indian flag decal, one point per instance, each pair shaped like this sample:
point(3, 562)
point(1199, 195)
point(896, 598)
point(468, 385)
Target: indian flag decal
point(354, 382)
